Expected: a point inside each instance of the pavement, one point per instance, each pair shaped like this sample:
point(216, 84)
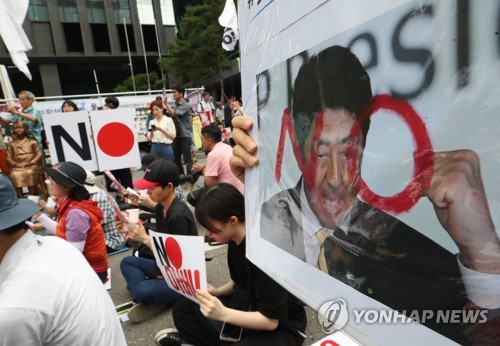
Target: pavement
point(217, 274)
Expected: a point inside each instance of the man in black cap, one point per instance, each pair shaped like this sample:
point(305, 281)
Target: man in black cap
point(43, 282)
point(143, 277)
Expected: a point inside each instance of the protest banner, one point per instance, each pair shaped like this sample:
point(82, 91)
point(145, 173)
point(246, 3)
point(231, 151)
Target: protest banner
point(181, 260)
point(340, 212)
point(197, 132)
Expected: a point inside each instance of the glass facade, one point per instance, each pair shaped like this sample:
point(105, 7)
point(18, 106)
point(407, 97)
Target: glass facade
point(145, 9)
point(95, 11)
point(68, 12)
point(167, 12)
point(37, 11)
point(121, 9)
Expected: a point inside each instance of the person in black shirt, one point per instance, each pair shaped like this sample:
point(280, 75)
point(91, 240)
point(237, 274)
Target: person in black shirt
point(268, 314)
point(144, 281)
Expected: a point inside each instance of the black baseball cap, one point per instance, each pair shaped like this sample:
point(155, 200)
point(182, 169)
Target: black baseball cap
point(159, 172)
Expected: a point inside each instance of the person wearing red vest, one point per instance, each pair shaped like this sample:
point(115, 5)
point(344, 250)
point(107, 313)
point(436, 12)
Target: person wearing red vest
point(79, 218)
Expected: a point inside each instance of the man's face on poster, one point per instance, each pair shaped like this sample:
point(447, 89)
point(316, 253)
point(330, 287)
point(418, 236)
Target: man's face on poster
point(334, 188)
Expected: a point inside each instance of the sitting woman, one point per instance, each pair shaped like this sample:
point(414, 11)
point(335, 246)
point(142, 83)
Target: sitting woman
point(162, 132)
point(79, 218)
point(251, 301)
point(24, 158)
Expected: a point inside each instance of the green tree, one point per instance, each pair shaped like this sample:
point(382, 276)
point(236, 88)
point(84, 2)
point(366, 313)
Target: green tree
point(197, 53)
point(141, 83)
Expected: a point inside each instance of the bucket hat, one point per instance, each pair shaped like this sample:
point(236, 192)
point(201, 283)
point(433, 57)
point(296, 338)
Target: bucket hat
point(68, 174)
point(13, 210)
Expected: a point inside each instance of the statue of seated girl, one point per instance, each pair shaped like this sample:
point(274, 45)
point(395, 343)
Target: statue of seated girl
point(24, 157)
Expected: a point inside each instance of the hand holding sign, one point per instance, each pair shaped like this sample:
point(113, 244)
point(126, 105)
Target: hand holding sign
point(211, 306)
point(244, 153)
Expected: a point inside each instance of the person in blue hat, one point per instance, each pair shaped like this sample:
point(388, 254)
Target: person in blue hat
point(48, 292)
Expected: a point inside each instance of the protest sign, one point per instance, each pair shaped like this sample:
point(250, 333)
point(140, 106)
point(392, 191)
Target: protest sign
point(181, 260)
point(338, 211)
point(116, 138)
point(69, 137)
point(206, 118)
point(197, 132)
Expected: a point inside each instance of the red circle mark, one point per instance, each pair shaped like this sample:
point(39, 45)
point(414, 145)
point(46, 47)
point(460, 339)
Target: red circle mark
point(174, 252)
point(115, 139)
point(329, 343)
point(423, 156)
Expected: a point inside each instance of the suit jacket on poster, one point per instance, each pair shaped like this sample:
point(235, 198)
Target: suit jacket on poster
point(380, 257)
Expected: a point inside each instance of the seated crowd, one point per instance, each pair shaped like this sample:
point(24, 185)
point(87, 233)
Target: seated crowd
point(69, 205)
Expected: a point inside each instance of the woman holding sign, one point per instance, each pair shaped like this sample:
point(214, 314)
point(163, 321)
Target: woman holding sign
point(250, 307)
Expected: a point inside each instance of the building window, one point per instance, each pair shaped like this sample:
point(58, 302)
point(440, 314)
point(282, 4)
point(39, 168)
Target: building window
point(95, 11)
point(101, 37)
point(68, 12)
point(37, 11)
point(167, 12)
point(73, 35)
point(149, 37)
point(123, 39)
point(121, 9)
point(146, 14)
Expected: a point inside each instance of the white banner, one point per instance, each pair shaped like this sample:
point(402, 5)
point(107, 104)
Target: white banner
point(139, 103)
point(181, 260)
point(362, 207)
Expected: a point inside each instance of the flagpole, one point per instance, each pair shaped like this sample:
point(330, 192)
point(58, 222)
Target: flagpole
point(129, 56)
point(145, 59)
point(97, 87)
point(159, 56)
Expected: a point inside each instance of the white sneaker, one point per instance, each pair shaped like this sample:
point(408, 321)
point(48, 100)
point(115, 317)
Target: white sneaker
point(168, 337)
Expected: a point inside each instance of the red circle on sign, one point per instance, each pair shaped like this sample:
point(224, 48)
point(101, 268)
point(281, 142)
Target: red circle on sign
point(423, 156)
point(115, 139)
point(174, 252)
point(329, 343)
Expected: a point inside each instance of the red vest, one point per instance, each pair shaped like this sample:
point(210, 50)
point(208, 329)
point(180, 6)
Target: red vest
point(95, 246)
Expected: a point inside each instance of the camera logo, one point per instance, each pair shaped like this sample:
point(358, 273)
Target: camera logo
point(332, 315)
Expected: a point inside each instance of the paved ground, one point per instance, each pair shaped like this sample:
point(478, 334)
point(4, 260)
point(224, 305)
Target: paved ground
point(217, 274)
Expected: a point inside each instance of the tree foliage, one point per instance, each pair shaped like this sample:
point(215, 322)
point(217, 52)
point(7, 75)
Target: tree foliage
point(141, 83)
point(197, 53)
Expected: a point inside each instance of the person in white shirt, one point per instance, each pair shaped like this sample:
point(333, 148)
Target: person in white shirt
point(219, 112)
point(49, 294)
point(206, 105)
point(162, 129)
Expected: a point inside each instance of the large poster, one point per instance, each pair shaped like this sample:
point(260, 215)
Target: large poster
point(377, 180)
